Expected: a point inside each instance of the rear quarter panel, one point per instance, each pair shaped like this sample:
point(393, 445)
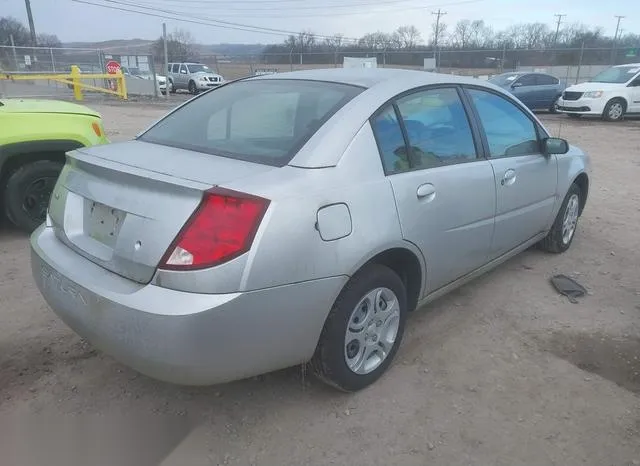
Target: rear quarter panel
point(289, 247)
point(570, 166)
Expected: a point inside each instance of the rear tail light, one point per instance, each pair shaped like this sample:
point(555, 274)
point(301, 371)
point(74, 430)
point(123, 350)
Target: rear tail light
point(221, 228)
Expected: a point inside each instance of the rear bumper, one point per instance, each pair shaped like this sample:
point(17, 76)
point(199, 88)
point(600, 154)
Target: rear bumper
point(178, 337)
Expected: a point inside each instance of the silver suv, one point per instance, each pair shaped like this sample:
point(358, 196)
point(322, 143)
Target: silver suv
point(194, 77)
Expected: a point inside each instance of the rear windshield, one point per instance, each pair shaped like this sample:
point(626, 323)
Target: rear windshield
point(503, 79)
point(261, 121)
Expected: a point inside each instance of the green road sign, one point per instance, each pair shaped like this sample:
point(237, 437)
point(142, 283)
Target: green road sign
point(632, 52)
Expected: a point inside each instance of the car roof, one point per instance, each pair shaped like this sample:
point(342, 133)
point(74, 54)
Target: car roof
point(627, 64)
point(373, 77)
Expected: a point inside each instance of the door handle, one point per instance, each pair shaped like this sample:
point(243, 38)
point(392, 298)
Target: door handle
point(427, 192)
point(509, 177)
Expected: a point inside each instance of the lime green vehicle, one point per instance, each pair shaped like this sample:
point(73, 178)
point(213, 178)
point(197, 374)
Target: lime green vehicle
point(34, 137)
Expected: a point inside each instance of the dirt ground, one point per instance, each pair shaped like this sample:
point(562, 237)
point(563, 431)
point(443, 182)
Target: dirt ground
point(502, 372)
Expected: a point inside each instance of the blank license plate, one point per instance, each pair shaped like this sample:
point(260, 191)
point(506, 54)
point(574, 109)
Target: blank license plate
point(104, 223)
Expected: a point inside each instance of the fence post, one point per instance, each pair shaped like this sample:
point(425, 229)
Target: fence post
point(580, 62)
point(291, 58)
point(15, 55)
point(121, 85)
point(53, 61)
point(75, 76)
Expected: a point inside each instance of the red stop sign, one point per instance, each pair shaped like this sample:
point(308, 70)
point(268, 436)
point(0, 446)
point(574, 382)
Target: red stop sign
point(113, 67)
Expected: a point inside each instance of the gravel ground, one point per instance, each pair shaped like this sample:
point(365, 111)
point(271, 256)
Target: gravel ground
point(502, 372)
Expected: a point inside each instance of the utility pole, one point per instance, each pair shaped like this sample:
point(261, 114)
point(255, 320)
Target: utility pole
point(436, 55)
point(555, 39)
point(166, 60)
point(437, 14)
point(32, 28)
point(615, 40)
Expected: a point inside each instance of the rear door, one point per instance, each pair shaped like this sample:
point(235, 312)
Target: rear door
point(444, 190)
point(525, 179)
point(548, 90)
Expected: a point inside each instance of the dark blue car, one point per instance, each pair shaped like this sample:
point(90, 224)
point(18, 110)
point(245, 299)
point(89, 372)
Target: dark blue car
point(538, 91)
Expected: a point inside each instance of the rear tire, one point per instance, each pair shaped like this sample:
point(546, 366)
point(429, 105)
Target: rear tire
point(561, 235)
point(27, 193)
point(363, 330)
point(172, 88)
point(614, 110)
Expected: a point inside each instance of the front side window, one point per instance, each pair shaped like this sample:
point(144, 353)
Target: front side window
point(183, 69)
point(437, 128)
point(527, 80)
point(261, 121)
point(510, 132)
point(176, 68)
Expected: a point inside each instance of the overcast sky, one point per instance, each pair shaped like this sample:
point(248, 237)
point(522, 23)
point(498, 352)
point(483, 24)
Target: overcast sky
point(72, 21)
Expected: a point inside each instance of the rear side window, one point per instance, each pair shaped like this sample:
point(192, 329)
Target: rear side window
point(510, 132)
point(261, 121)
point(546, 80)
point(390, 141)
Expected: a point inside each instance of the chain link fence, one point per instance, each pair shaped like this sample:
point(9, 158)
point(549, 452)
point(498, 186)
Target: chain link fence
point(571, 64)
point(140, 71)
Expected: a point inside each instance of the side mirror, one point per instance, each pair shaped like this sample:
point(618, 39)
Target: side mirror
point(555, 146)
point(183, 71)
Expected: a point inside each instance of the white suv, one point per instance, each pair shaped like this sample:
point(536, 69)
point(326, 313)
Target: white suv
point(194, 77)
point(612, 94)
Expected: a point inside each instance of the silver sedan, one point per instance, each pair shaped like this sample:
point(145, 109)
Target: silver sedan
point(299, 218)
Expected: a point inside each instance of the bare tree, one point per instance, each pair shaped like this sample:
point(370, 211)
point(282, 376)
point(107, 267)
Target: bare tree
point(462, 34)
point(535, 35)
point(49, 40)
point(11, 27)
point(375, 41)
point(441, 31)
point(334, 42)
point(180, 47)
point(406, 37)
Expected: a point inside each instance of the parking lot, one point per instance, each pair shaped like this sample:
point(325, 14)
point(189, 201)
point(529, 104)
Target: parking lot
point(502, 372)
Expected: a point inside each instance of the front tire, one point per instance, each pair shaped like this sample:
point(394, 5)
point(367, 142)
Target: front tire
point(27, 193)
point(554, 106)
point(564, 227)
point(614, 110)
point(192, 88)
point(363, 330)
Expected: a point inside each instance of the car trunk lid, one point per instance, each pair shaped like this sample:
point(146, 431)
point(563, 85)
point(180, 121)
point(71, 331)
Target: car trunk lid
point(122, 205)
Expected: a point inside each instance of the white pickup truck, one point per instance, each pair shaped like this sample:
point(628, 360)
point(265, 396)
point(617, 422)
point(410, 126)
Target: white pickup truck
point(612, 94)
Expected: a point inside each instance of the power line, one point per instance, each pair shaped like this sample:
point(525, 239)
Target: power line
point(278, 14)
point(205, 22)
point(224, 5)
